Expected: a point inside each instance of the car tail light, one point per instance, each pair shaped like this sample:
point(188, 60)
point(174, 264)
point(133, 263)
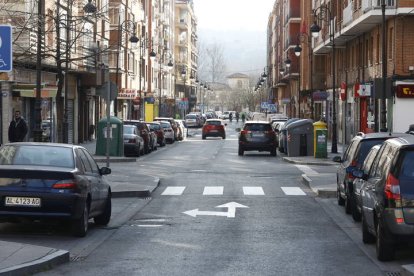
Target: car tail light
point(132, 140)
point(244, 132)
point(392, 188)
point(65, 184)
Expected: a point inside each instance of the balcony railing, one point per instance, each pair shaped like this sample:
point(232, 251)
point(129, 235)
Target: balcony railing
point(347, 16)
point(375, 4)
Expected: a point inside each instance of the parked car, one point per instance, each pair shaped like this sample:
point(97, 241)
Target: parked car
point(387, 197)
point(42, 181)
point(192, 120)
point(133, 142)
point(215, 128)
point(159, 131)
point(172, 123)
point(143, 131)
point(353, 158)
point(358, 182)
point(153, 138)
point(182, 129)
point(257, 135)
point(282, 137)
point(168, 131)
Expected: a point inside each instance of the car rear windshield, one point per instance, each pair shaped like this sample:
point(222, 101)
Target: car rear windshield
point(407, 166)
point(364, 147)
point(37, 156)
point(128, 129)
point(191, 117)
point(258, 127)
point(166, 125)
point(214, 123)
point(155, 126)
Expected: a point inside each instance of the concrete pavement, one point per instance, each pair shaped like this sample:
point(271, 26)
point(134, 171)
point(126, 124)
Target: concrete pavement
point(25, 259)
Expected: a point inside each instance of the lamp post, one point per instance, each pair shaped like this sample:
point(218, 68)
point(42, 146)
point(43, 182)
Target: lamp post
point(160, 74)
point(384, 71)
point(298, 50)
point(288, 63)
point(184, 78)
point(324, 13)
point(37, 132)
point(124, 26)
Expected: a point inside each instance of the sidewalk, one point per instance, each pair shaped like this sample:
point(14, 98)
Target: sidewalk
point(323, 184)
point(25, 259)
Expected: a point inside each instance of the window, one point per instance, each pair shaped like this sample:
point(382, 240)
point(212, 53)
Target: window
point(84, 161)
point(92, 162)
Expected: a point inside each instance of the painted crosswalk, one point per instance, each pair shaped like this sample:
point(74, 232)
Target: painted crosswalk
point(220, 190)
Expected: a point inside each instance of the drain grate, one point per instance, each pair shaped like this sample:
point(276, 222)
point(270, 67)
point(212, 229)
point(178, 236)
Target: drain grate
point(394, 273)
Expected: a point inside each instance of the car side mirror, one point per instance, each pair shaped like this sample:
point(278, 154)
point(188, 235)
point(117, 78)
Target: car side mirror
point(105, 170)
point(337, 159)
point(238, 129)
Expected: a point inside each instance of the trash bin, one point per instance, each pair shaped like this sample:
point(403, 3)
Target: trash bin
point(116, 143)
point(320, 142)
point(300, 138)
point(282, 135)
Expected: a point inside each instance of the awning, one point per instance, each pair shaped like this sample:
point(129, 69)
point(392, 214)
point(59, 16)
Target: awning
point(29, 90)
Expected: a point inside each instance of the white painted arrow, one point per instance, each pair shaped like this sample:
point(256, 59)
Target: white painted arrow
point(231, 211)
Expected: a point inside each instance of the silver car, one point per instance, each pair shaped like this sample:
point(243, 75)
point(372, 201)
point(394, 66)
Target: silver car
point(168, 131)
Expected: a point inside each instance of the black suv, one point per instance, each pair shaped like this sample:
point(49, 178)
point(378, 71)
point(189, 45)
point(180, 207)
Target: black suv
point(144, 132)
point(387, 197)
point(353, 158)
point(257, 135)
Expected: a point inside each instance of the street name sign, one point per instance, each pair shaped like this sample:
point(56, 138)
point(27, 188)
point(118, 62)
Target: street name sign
point(6, 53)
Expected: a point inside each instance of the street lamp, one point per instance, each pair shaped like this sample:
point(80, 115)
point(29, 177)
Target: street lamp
point(324, 13)
point(384, 71)
point(124, 26)
point(298, 51)
point(184, 78)
point(160, 74)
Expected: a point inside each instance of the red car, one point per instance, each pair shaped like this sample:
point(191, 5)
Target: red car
point(159, 131)
point(214, 128)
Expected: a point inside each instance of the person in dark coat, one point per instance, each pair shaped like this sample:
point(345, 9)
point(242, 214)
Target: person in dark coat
point(17, 128)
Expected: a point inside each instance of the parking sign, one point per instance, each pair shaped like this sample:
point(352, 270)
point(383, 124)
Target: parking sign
point(6, 57)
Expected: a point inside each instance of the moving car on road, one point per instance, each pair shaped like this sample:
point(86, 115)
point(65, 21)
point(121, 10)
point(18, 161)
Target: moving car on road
point(257, 135)
point(53, 181)
point(214, 128)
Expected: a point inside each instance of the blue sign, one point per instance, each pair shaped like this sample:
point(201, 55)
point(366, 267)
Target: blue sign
point(6, 53)
point(264, 105)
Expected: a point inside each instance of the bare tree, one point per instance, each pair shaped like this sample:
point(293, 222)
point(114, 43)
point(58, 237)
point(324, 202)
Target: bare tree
point(211, 65)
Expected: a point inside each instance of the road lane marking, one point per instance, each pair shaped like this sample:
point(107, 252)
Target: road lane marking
point(213, 190)
point(305, 169)
point(174, 190)
point(253, 191)
point(293, 191)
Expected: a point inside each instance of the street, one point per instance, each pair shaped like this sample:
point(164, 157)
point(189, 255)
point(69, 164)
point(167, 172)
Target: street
point(216, 213)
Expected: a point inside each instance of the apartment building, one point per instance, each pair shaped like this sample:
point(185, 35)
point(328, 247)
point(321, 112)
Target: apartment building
point(365, 54)
point(186, 55)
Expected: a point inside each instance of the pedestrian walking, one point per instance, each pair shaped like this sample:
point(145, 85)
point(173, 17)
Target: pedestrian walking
point(17, 128)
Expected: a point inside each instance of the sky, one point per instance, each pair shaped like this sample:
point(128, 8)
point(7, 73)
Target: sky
point(240, 26)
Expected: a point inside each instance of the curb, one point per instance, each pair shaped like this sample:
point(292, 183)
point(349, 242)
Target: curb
point(320, 192)
point(408, 269)
point(317, 163)
point(145, 193)
point(100, 159)
point(45, 263)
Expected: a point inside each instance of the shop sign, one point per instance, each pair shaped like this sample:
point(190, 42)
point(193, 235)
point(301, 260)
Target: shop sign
point(127, 94)
point(320, 96)
point(405, 91)
point(150, 100)
point(365, 90)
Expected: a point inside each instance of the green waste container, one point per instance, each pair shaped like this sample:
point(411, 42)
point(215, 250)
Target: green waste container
point(320, 140)
point(116, 143)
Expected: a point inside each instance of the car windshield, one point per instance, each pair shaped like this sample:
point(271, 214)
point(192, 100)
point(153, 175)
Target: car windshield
point(166, 125)
point(364, 148)
point(258, 127)
point(155, 126)
point(407, 167)
point(36, 155)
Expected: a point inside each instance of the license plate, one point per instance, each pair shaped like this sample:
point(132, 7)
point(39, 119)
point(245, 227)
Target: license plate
point(213, 130)
point(22, 201)
point(126, 140)
point(258, 134)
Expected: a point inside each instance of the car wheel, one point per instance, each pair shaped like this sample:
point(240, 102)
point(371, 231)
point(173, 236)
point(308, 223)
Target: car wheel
point(273, 152)
point(384, 247)
point(224, 137)
point(105, 217)
point(281, 149)
point(138, 151)
point(356, 215)
point(347, 201)
point(341, 201)
point(241, 151)
point(203, 137)
point(80, 225)
point(367, 237)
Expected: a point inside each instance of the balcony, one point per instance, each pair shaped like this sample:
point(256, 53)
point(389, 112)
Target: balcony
point(355, 26)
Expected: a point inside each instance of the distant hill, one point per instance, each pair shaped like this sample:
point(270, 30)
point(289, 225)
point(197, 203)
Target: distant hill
point(244, 51)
